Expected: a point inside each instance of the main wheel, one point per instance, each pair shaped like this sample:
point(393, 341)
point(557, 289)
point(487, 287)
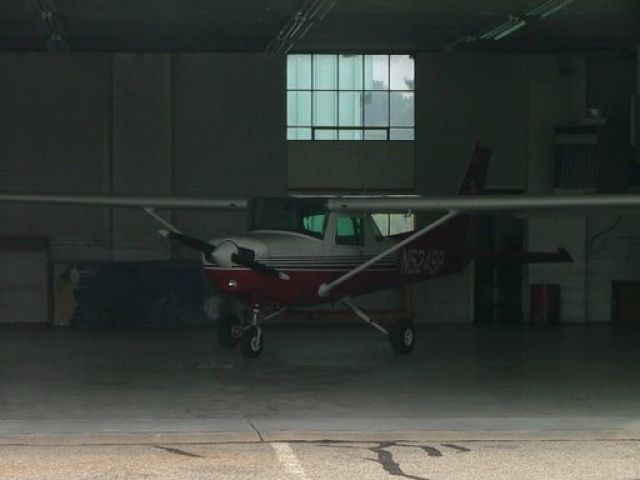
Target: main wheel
point(402, 336)
point(229, 330)
point(252, 342)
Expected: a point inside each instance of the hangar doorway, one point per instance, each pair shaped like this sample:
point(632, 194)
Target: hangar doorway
point(498, 285)
point(626, 302)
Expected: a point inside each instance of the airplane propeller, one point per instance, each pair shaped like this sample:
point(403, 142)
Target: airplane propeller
point(226, 253)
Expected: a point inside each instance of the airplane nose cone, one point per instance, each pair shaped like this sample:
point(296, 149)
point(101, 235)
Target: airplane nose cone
point(246, 247)
point(223, 252)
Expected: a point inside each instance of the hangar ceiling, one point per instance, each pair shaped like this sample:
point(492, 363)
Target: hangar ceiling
point(249, 25)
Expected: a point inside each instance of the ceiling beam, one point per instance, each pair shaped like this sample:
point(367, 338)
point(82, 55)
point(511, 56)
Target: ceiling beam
point(47, 23)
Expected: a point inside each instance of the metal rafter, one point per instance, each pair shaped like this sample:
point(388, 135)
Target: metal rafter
point(47, 22)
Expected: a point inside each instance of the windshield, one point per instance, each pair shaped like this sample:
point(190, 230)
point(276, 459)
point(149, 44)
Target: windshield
point(301, 215)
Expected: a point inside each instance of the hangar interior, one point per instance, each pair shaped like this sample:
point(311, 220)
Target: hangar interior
point(190, 99)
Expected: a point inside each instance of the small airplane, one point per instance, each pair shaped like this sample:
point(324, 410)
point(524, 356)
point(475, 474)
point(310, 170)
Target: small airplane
point(306, 251)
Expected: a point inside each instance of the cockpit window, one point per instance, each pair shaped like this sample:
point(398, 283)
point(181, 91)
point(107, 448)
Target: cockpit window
point(301, 215)
point(377, 234)
point(349, 230)
point(314, 224)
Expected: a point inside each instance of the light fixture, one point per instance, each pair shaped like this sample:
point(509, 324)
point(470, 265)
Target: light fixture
point(510, 29)
point(547, 8)
point(504, 29)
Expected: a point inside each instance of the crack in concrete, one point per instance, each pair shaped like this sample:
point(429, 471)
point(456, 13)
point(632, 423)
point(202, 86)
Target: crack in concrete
point(385, 458)
point(177, 451)
point(456, 447)
point(256, 430)
point(388, 463)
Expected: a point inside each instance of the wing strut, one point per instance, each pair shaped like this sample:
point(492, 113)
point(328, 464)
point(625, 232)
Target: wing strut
point(152, 213)
point(325, 288)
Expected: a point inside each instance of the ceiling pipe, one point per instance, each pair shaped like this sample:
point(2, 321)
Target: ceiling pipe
point(309, 14)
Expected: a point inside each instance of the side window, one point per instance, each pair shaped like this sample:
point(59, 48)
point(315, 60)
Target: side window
point(349, 231)
point(314, 225)
point(390, 224)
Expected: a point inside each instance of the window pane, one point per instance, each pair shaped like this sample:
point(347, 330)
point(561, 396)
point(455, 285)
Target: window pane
point(376, 72)
point(350, 72)
point(325, 110)
point(401, 134)
point(298, 108)
point(325, 134)
point(401, 223)
point(375, 134)
point(376, 109)
point(381, 220)
point(298, 134)
point(402, 75)
point(299, 72)
point(349, 134)
point(314, 224)
point(350, 109)
point(349, 231)
point(325, 72)
point(401, 109)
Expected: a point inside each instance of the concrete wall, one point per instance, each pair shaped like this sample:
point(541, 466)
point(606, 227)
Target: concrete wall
point(55, 131)
point(604, 246)
point(612, 241)
point(353, 166)
point(187, 124)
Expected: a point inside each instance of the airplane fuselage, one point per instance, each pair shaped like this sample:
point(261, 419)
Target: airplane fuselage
point(310, 262)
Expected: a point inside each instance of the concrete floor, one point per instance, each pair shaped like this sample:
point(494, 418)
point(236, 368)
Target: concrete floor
point(461, 383)
point(566, 460)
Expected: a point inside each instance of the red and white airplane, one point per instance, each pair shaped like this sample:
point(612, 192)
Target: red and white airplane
point(303, 251)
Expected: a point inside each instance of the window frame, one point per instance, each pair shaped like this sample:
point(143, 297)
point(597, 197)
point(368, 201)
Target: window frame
point(363, 129)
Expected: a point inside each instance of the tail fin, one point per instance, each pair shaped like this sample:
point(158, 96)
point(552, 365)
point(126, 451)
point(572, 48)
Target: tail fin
point(476, 175)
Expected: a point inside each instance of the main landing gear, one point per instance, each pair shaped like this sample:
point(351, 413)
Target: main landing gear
point(401, 335)
point(232, 330)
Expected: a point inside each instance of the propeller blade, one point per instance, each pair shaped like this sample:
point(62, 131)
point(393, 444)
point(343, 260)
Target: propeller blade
point(245, 259)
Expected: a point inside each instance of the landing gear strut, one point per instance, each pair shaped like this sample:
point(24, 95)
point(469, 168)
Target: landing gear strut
point(252, 342)
point(251, 337)
point(401, 335)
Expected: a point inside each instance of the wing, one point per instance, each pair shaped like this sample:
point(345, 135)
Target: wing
point(208, 203)
point(566, 204)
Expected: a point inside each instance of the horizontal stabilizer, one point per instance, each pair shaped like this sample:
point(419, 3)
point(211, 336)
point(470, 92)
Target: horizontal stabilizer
point(560, 256)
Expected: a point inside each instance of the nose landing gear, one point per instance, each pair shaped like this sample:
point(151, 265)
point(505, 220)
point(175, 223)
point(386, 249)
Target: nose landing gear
point(248, 334)
point(251, 342)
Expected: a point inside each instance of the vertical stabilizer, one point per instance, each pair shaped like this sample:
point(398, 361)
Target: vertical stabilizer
point(476, 175)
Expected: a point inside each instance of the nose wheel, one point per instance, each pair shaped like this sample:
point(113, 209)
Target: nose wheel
point(248, 334)
point(251, 342)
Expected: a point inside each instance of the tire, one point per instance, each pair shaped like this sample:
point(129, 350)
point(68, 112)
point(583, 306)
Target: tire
point(402, 336)
point(229, 330)
point(252, 342)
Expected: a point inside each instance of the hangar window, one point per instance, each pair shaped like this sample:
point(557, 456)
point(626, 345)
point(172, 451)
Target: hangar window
point(350, 97)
